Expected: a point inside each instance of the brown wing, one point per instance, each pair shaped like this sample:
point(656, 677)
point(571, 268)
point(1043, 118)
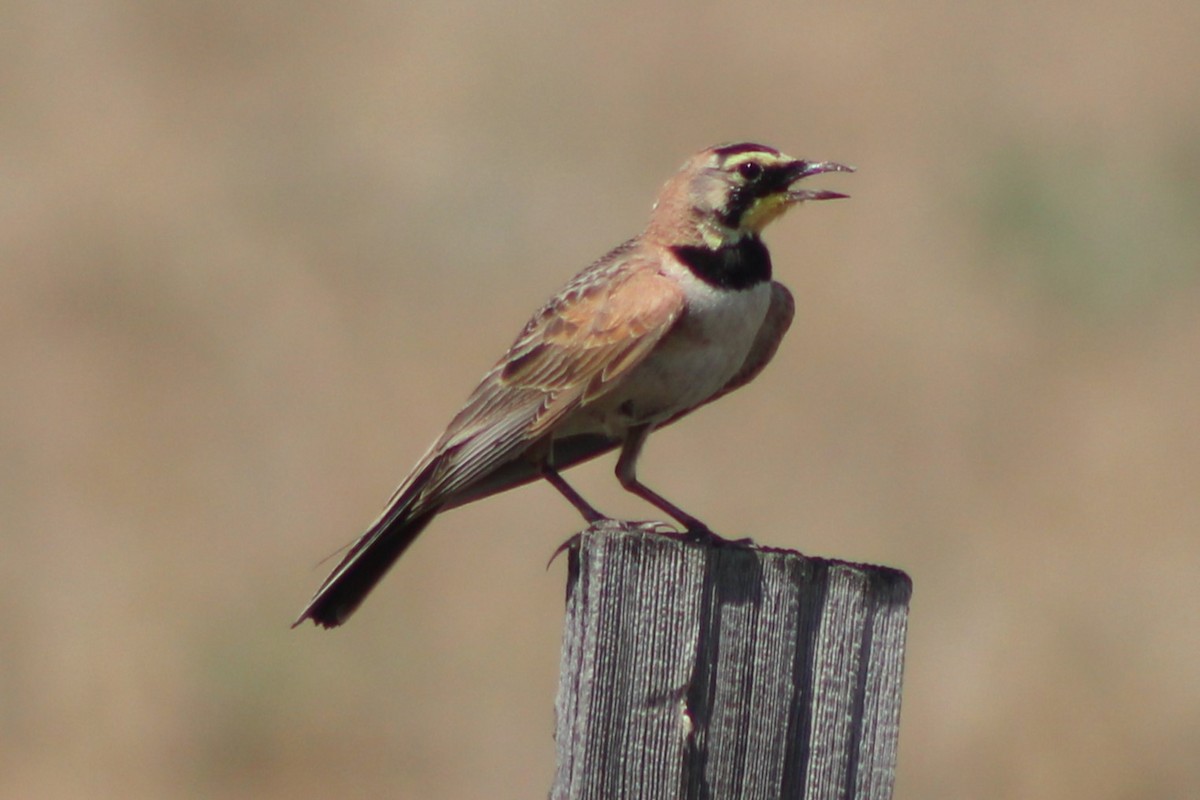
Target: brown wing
point(574, 350)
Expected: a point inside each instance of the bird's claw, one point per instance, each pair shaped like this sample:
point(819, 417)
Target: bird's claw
point(572, 542)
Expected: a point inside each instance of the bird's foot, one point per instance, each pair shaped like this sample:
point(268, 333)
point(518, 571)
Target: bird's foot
point(696, 532)
point(702, 534)
point(657, 526)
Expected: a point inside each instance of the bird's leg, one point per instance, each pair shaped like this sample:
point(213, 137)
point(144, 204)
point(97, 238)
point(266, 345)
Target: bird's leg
point(627, 475)
point(582, 506)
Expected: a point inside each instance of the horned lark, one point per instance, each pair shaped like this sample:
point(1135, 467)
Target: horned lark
point(668, 321)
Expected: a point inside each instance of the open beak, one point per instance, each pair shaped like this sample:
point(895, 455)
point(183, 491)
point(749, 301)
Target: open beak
point(804, 169)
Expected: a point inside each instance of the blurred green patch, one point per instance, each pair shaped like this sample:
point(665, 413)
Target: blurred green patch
point(242, 687)
point(1105, 233)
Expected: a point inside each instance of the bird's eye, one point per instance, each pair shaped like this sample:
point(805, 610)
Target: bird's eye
point(750, 170)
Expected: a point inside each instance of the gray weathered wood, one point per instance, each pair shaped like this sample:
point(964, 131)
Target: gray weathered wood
point(700, 671)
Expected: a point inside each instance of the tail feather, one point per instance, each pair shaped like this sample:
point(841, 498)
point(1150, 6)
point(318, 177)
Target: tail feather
point(364, 566)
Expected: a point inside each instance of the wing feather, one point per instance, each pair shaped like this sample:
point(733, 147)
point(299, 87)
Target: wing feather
point(574, 350)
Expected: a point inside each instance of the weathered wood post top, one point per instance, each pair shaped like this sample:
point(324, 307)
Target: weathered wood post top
point(726, 671)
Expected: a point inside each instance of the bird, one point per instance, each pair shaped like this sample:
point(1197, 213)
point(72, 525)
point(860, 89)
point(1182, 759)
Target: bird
point(670, 320)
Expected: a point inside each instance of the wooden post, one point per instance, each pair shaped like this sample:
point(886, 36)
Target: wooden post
point(701, 671)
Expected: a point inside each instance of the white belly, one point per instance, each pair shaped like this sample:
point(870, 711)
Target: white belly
point(694, 362)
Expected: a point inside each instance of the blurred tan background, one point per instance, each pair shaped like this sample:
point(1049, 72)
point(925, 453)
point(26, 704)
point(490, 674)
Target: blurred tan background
point(255, 255)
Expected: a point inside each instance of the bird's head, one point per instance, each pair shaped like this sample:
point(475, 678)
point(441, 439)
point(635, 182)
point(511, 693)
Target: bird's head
point(731, 191)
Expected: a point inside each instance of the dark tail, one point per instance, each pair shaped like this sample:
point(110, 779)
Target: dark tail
point(367, 562)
